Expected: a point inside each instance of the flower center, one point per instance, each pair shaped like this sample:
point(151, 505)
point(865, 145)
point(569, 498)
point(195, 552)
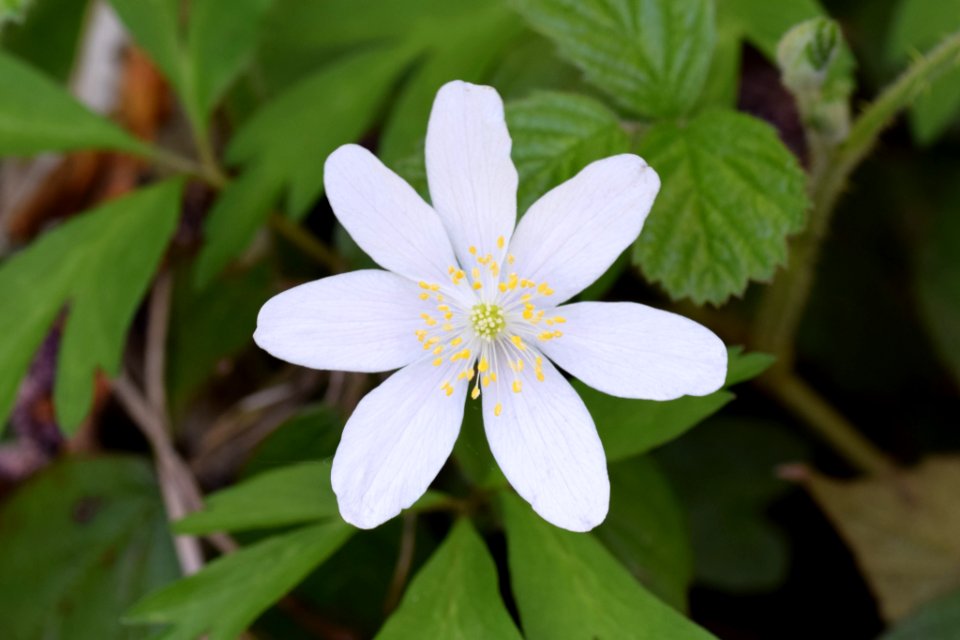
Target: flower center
point(487, 320)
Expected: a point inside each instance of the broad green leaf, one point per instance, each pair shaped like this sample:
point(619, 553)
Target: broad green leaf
point(936, 620)
point(938, 281)
point(763, 22)
point(555, 135)
point(651, 56)
point(294, 494)
point(569, 587)
point(918, 25)
point(48, 36)
point(285, 143)
point(731, 194)
point(82, 541)
point(455, 595)
point(902, 530)
point(725, 475)
point(97, 265)
point(13, 10)
point(37, 115)
point(646, 530)
point(154, 24)
point(631, 427)
point(223, 599)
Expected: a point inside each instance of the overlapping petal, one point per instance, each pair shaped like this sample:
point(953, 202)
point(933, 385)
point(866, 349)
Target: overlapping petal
point(358, 321)
point(395, 443)
point(571, 235)
point(547, 446)
point(634, 351)
point(473, 183)
point(385, 216)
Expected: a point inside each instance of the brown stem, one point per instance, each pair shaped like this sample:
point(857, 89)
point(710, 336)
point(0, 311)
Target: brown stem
point(404, 561)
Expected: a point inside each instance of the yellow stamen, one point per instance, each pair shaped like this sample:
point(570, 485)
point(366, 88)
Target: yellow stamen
point(438, 362)
point(500, 242)
point(518, 341)
point(475, 393)
point(424, 296)
point(483, 366)
point(517, 386)
point(497, 409)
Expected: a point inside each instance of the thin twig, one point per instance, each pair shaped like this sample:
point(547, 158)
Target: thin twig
point(158, 324)
point(308, 243)
point(401, 571)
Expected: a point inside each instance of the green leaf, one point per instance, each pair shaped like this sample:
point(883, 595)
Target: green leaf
point(651, 56)
point(763, 23)
point(568, 586)
point(310, 435)
point(646, 530)
point(631, 427)
point(725, 475)
point(285, 143)
point(154, 25)
point(99, 264)
point(294, 494)
point(229, 593)
point(455, 595)
point(731, 195)
point(918, 25)
point(81, 541)
point(37, 115)
point(48, 36)
point(555, 135)
point(13, 10)
point(937, 620)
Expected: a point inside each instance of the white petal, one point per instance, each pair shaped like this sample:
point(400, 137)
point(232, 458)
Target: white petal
point(359, 321)
point(634, 351)
point(571, 235)
point(547, 446)
point(473, 183)
point(385, 216)
point(395, 443)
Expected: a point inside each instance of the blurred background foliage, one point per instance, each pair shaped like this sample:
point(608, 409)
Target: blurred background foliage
point(162, 177)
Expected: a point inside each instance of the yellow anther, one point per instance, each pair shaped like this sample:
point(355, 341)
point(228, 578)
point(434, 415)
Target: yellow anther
point(475, 393)
point(525, 297)
point(448, 315)
point(539, 375)
point(497, 409)
point(475, 272)
point(527, 314)
point(513, 366)
point(451, 269)
point(438, 362)
point(438, 350)
point(430, 342)
point(519, 365)
point(486, 380)
point(500, 242)
point(559, 319)
point(456, 341)
point(557, 333)
point(439, 297)
point(473, 250)
point(512, 281)
point(527, 284)
point(442, 307)
point(447, 327)
point(421, 334)
point(493, 376)
point(423, 285)
point(546, 335)
point(483, 366)
point(485, 259)
point(517, 386)
point(449, 391)
point(424, 296)
point(495, 269)
point(511, 259)
point(518, 341)
point(539, 362)
point(478, 285)
point(460, 355)
point(503, 287)
point(544, 289)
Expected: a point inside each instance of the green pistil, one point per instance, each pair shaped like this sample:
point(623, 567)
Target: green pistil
point(488, 320)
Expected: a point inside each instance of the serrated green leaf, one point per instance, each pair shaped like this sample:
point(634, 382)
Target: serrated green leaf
point(631, 427)
point(47, 35)
point(37, 115)
point(294, 494)
point(916, 26)
point(557, 134)
point(646, 530)
point(651, 56)
point(81, 541)
point(569, 587)
point(936, 620)
point(731, 195)
point(99, 264)
point(454, 595)
point(725, 475)
point(229, 593)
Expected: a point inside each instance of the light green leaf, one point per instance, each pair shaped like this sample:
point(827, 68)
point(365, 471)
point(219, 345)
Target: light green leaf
point(918, 25)
point(37, 115)
point(651, 56)
point(155, 26)
point(81, 541)
point(48, 35)
point(646, 530)
point(725, 475)
point(731, 195)
point(229, 593)
point(454, 595)
point(294, 494)
point(555, 135)
point(13, 10)
point(569, 587)
point(99, 265)
point(936, 620)
point(631, 427)
point(763, 22)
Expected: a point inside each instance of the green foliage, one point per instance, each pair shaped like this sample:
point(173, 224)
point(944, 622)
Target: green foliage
point(568, 586)
point(294, 494)
point(460, 575)
point(312, 434)
point(555, 135)
point(725, 475)
point(229, 593)
point(81, 542)
point(648, 536)
point(631, 427)
point(937, 620)
point(731, 195)
point(916, 26)
point(98, 266)
point(36, 115)
point(650, 56)
point(46, 36)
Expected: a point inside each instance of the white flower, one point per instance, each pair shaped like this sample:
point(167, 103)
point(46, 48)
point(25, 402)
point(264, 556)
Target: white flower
point(469, 306)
